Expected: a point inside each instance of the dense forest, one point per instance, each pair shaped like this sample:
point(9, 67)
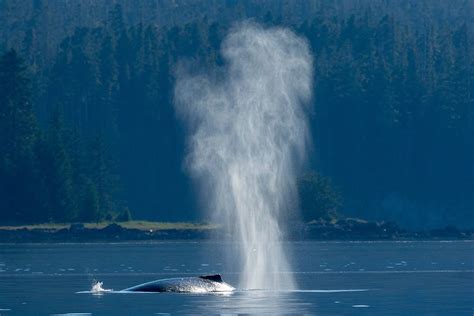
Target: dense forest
point(87, 125)
point(52, 174)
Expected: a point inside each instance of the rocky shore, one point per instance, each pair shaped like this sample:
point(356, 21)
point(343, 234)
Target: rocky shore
point(346, 229)
point(354, 229)
point(110, 233)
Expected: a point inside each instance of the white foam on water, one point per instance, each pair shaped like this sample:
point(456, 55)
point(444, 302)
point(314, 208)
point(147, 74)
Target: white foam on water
point(322, 291)
point(248, 137)
point(98, 289)
point(328, 291)
point(72, 314)
point(360, 306)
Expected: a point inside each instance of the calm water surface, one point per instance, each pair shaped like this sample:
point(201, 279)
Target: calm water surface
point(334, 278)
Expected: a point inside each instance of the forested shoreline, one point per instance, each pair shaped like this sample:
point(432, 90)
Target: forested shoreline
point(51, 173)
point(392, 120)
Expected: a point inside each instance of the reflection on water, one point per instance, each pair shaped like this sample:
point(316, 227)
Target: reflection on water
point(257, 302)
point(250, 303)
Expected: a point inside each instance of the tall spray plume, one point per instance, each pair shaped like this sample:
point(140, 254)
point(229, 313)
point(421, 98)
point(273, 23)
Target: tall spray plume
point(248, 135)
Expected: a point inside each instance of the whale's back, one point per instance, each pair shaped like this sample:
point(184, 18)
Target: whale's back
point(201, 284)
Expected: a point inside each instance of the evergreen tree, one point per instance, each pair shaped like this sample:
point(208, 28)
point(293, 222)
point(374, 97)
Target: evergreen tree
point(90, 208)
point(317, 197)
point(99, 170)
point(57, 173)
point(18, 137)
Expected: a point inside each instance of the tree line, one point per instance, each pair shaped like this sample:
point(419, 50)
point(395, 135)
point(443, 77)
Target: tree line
point(49, 174)
point(392, 120)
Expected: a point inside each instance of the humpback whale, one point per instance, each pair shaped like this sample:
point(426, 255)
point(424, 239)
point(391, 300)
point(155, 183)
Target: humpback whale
point(200, 284)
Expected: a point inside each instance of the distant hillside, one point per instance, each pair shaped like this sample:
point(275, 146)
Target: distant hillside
point(392, 119)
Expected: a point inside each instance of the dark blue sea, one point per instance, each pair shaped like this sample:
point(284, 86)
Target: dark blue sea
point(334, 278)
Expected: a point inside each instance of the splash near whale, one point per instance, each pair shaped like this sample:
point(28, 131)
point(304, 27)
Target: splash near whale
point(248, 136)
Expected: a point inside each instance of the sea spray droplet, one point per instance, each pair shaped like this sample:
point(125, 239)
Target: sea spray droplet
point(98, 289)
point(248, 137)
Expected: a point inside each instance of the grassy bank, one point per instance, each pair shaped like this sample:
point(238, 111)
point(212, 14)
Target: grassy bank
point(140, 225)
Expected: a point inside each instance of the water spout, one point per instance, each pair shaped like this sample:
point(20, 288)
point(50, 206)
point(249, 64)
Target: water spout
point(248, 135)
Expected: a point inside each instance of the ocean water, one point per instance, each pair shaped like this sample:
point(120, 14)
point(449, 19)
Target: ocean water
point(333, 278)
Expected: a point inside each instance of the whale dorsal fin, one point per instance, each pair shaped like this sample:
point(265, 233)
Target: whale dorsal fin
point(214, 277)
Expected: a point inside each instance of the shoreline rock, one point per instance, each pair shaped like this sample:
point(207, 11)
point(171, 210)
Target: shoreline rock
point(346, 229)
point(354, 229)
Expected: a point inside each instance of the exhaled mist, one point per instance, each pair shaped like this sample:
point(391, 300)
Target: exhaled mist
point(248, 134)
